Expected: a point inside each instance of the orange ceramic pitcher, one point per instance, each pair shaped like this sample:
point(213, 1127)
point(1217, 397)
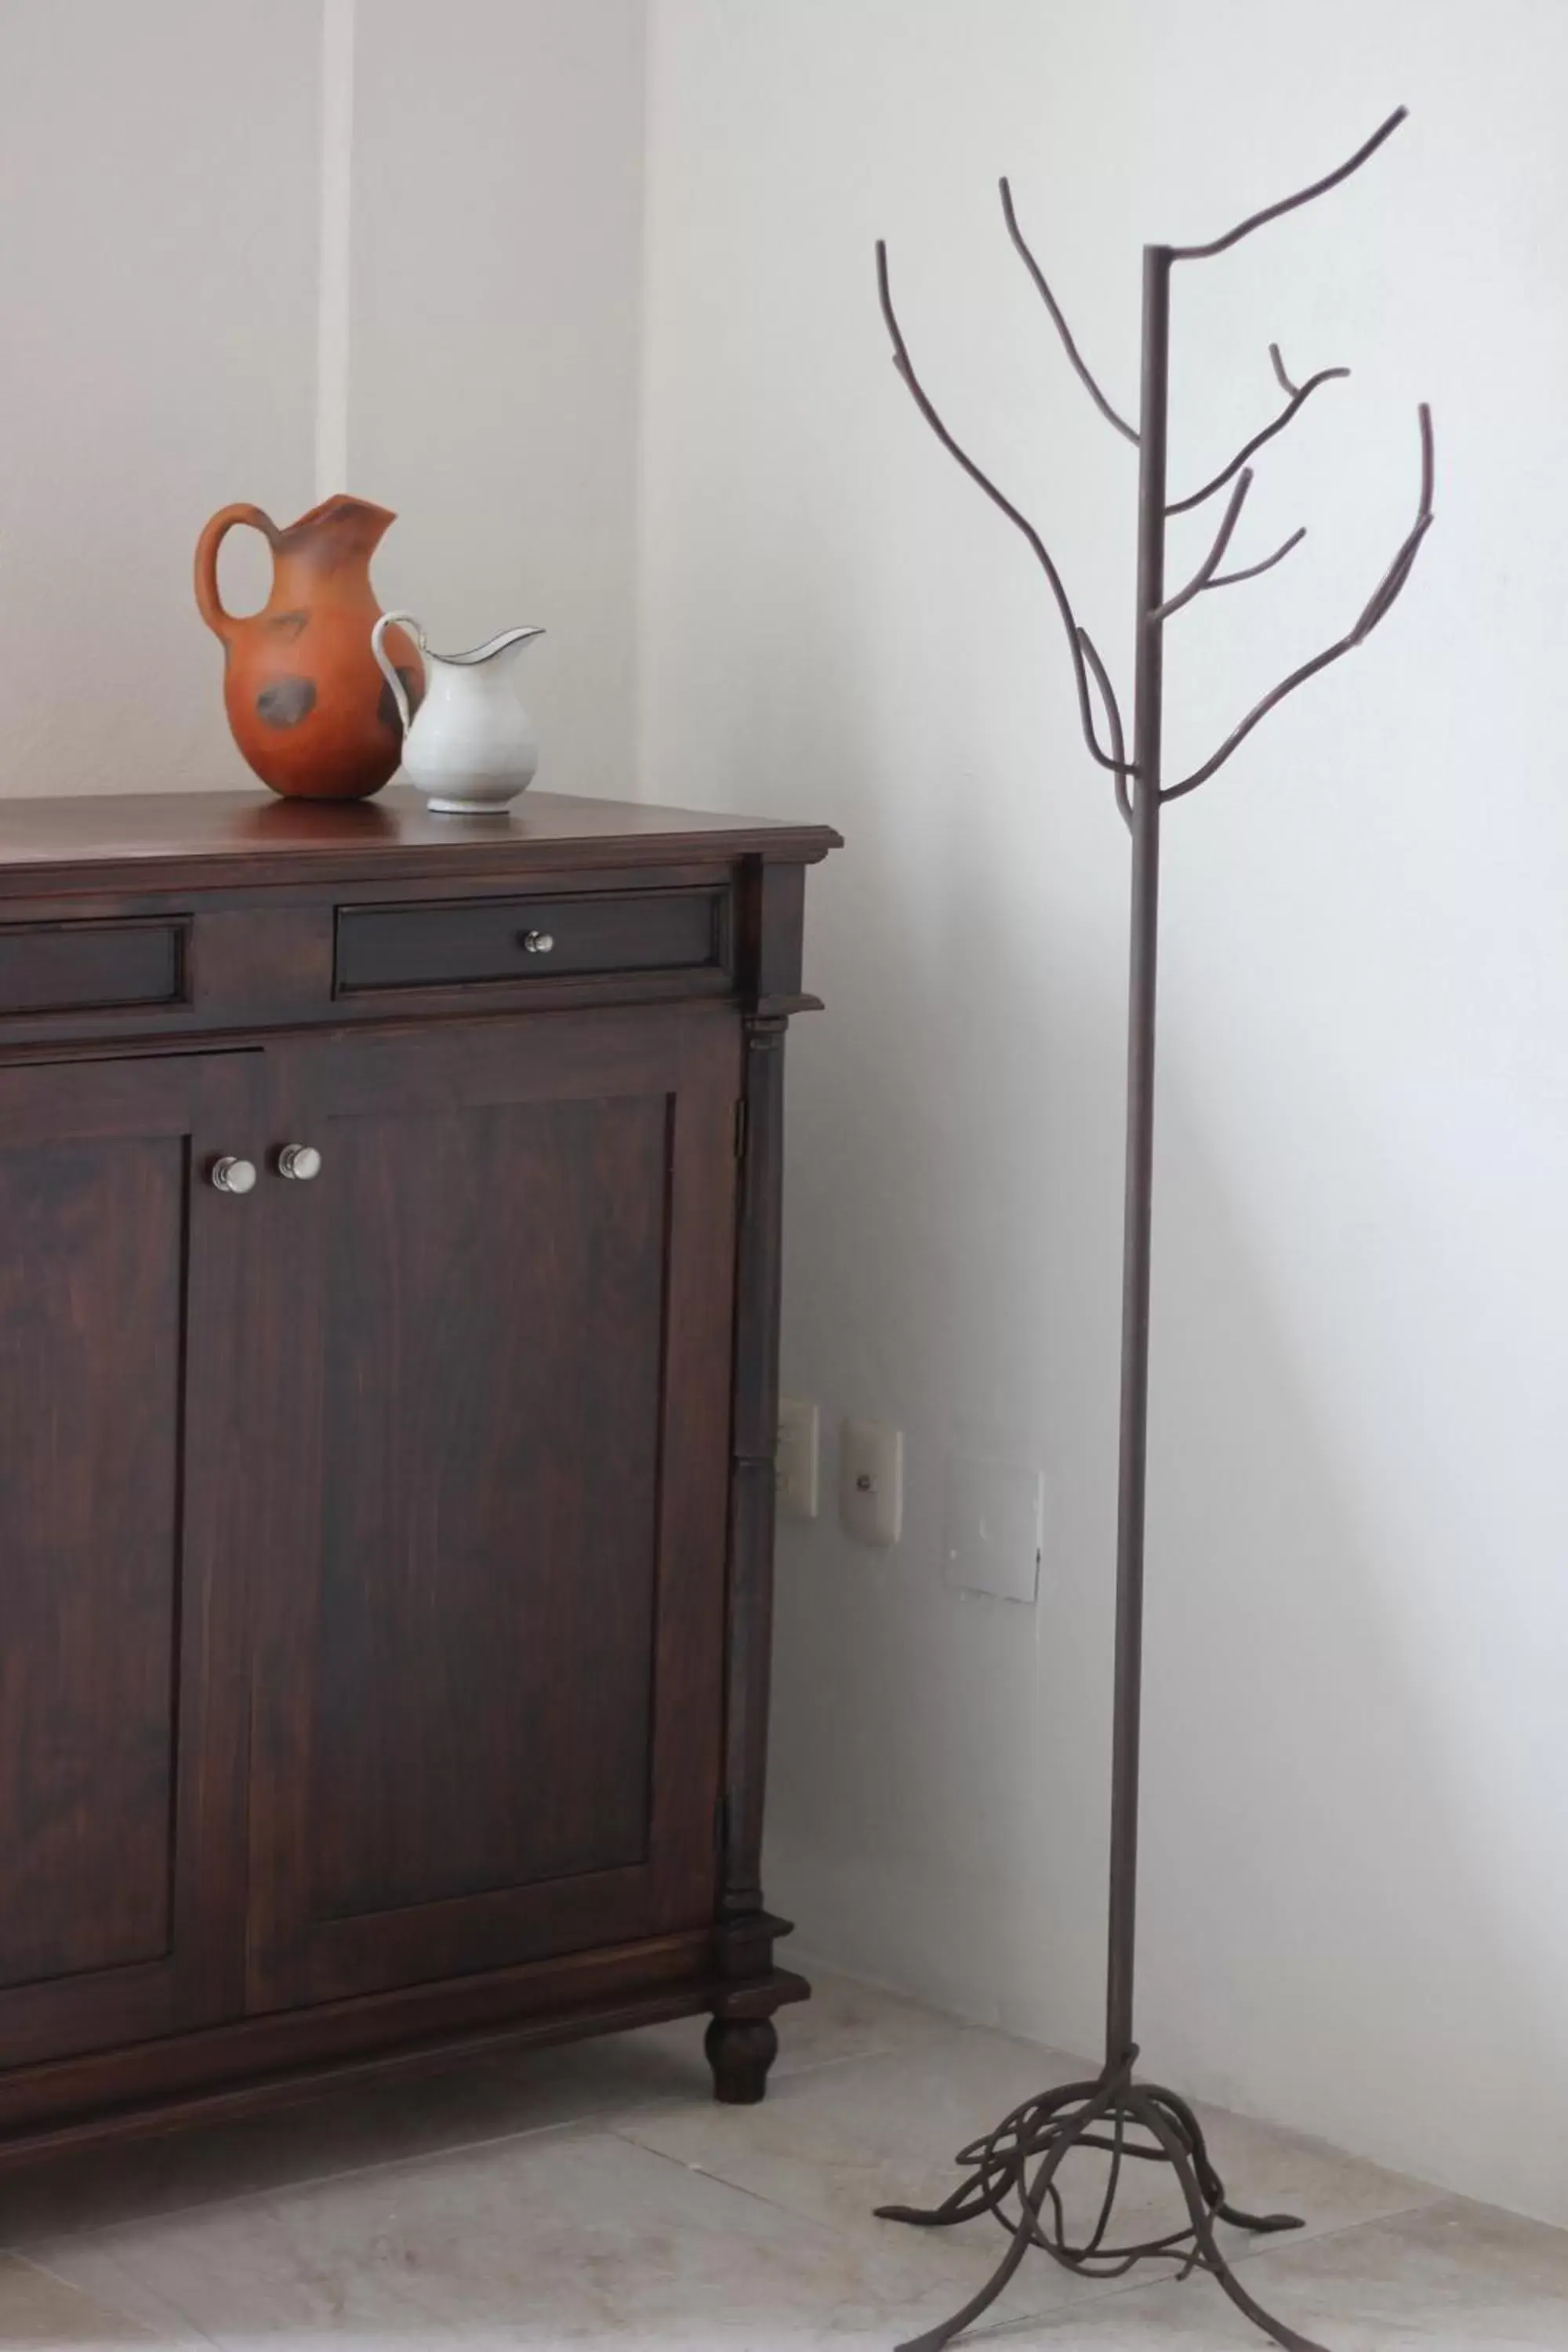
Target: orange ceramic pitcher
point(306, 702)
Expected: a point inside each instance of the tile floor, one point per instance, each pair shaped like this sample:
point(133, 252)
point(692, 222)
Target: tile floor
point(595, 2198)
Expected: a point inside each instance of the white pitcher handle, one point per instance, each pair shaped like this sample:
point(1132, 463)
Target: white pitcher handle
point(378, 647)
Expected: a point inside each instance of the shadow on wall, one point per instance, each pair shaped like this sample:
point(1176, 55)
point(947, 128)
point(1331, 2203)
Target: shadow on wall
point(940, 1761)
point(1304, 1812)
point(952, 1242)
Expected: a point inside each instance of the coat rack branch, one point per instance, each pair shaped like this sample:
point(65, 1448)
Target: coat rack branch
point(1075, 356)
point(1286, 416)
point(1307, 195)
point(1216, 556)
point(1020, 521)
point(1255, 570)
point(1371, 613)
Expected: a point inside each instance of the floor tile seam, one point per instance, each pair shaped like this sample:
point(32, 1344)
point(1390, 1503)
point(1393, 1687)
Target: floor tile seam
point(310, 2178)
point(954, 2032)
point(192, 2328)
point(24, 2245)
point(1286, 2241)
point(1090, 2290)
point(739, 2188)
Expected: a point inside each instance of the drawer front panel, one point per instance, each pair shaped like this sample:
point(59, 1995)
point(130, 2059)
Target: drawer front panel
point(79, 967)
point(511, 940)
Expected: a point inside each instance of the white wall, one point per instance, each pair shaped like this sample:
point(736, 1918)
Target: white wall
point(158, 220)
point(1355, 1905)
point(494, 349)
point(170, 193)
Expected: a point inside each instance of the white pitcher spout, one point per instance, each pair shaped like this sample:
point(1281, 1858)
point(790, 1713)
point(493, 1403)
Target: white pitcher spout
point(507, 642)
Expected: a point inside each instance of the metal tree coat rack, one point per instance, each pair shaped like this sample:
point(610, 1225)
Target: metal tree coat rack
point(1011, 2172)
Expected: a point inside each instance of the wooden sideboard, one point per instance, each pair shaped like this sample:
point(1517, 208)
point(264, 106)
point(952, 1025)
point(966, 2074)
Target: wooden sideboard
point(389, 1233)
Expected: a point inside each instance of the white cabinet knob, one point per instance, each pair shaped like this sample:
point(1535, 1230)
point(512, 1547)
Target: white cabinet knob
point(234, 1175)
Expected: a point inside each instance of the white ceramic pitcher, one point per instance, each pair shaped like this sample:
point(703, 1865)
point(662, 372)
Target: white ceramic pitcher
point(470, 745)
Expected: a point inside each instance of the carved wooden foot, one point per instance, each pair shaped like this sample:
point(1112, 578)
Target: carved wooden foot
point(739, 2051)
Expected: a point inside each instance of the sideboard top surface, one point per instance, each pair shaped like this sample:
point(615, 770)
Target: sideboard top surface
point(228, 838)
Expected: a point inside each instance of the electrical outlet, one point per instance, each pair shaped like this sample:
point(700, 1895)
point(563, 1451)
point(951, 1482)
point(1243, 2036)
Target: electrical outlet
point(871, 1483)
point(799, 1452)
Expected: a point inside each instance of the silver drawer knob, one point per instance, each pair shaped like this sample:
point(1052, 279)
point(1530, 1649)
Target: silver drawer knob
point(300, 1162)
point(234, 1175)
point(538, 942)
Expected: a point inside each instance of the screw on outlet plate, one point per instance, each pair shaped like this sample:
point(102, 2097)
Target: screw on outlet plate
point(870, 1482)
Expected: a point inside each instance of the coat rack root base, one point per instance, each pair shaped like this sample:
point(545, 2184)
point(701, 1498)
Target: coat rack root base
point(1012, 2175)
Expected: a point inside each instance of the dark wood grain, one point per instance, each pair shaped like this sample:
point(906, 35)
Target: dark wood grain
point(771, 907)
point(212, 838)
point(261, 965)
point(255, 958)
point(118, 1782)
point(742, 2043)
point(72, 967)
point(487, 939)
point(267, 2062)
point(385, 1560)
point(296, 2041)
point(90, 1472)
point(739, 2050)
point(509, 1312)
point(484, 1655)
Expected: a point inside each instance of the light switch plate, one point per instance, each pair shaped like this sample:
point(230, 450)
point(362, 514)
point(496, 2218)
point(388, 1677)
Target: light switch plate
point(995, 1514)
point(799, 1451)
point(871, 1482)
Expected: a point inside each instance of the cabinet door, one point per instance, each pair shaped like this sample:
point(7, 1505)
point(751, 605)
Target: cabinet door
point(488, 1687)
point(124, 1404)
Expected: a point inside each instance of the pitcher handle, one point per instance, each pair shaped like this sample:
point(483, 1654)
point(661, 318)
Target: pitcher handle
point(209, 603)
point(378, 647)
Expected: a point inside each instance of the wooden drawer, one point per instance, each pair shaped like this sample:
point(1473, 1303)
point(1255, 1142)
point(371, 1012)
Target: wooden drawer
point(472, 940)
point(85, 967)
